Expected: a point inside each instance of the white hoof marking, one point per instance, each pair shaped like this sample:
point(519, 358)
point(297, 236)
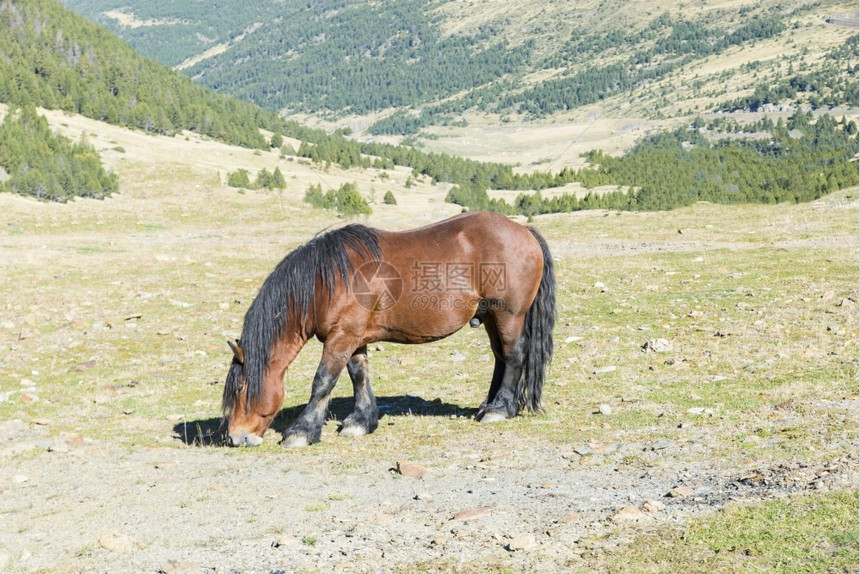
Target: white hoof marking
point(295, 441)
point(492, 417)
point(352, 430)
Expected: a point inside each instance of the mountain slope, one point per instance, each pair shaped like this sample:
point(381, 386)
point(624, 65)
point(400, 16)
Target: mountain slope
point(434, 61)
point(57, 59)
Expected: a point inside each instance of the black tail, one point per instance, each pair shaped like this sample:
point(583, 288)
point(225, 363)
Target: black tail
point(540, 319)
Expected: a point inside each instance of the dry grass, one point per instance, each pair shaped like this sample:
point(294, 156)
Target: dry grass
point(115, 315)
point(117, 311)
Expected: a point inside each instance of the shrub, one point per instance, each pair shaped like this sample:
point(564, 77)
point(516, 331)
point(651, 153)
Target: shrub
point(346, 200)
point(239, 178)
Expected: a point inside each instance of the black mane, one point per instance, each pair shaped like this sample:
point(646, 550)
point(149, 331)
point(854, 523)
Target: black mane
point(289, 292)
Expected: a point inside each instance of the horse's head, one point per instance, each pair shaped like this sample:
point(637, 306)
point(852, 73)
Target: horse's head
point(249, 416)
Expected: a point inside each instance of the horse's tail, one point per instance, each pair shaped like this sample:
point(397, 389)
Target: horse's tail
point(537, 339)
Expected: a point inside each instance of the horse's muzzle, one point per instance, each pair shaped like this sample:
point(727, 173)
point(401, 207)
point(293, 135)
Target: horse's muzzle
point(244, 438)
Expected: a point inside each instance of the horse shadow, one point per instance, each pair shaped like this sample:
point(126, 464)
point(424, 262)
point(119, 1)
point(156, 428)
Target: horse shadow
point(213, 431)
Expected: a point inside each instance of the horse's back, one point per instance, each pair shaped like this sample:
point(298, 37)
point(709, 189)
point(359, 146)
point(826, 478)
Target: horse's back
point(482, 234)
point(485, 253)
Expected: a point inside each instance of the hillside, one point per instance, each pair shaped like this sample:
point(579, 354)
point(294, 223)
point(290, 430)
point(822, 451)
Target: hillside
point(406, 66)
point(58, 60)
point(62, 61)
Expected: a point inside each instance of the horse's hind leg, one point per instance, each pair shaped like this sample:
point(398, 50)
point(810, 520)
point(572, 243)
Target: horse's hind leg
point(498, 369)
point(365, 415)
point(505, 332)
point(308, 427)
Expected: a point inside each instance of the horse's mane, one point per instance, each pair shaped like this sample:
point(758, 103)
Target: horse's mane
point(288, 294)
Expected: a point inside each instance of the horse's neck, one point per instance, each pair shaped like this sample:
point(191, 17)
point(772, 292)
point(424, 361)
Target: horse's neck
point(284, 352)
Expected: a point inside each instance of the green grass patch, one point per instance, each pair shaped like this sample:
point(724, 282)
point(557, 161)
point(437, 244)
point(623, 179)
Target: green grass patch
point(804, 534)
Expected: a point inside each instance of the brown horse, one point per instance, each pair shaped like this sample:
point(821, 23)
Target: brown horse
point(355, 285)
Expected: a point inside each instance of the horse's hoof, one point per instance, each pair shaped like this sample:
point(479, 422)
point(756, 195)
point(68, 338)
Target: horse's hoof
point(492, 417)
point(294, 440)
point(353, 430)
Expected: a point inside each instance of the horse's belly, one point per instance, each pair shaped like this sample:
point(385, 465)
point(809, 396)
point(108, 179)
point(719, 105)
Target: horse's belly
point(426, 317)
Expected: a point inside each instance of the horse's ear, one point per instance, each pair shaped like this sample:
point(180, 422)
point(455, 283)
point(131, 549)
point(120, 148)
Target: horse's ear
point(237, 350)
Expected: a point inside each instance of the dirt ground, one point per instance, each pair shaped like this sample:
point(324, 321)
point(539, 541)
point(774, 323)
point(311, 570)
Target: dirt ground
point(95, 507)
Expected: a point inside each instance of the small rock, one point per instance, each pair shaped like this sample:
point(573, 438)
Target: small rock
point(608, 448)
point(572, 339)
point(59, 447)
point(653, 506)
point(179, 567)
point(410, 470)
point(568, 518)
point(75, 441)
point(423, 496)
point(29, 398)
point(661, 444)
point(628, 514)
point(287, 541)
point(604, 409)
point(27, 334)
point(461, 535)
point(118, 543)
point(680, 492)
point(496, 456)
point(657, 346)
point(457, 356)
point(19, 479)
point(471, 513)
point(85, 366)
point(5, 559)
point(522, 542)
point(583, 450)
point(603, 370)
point(785, 405)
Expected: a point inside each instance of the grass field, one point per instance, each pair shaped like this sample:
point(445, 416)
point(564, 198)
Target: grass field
point(114, 316)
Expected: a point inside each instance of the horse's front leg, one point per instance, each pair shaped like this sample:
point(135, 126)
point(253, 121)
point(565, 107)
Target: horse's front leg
point(308, 427)
point(365, 415)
